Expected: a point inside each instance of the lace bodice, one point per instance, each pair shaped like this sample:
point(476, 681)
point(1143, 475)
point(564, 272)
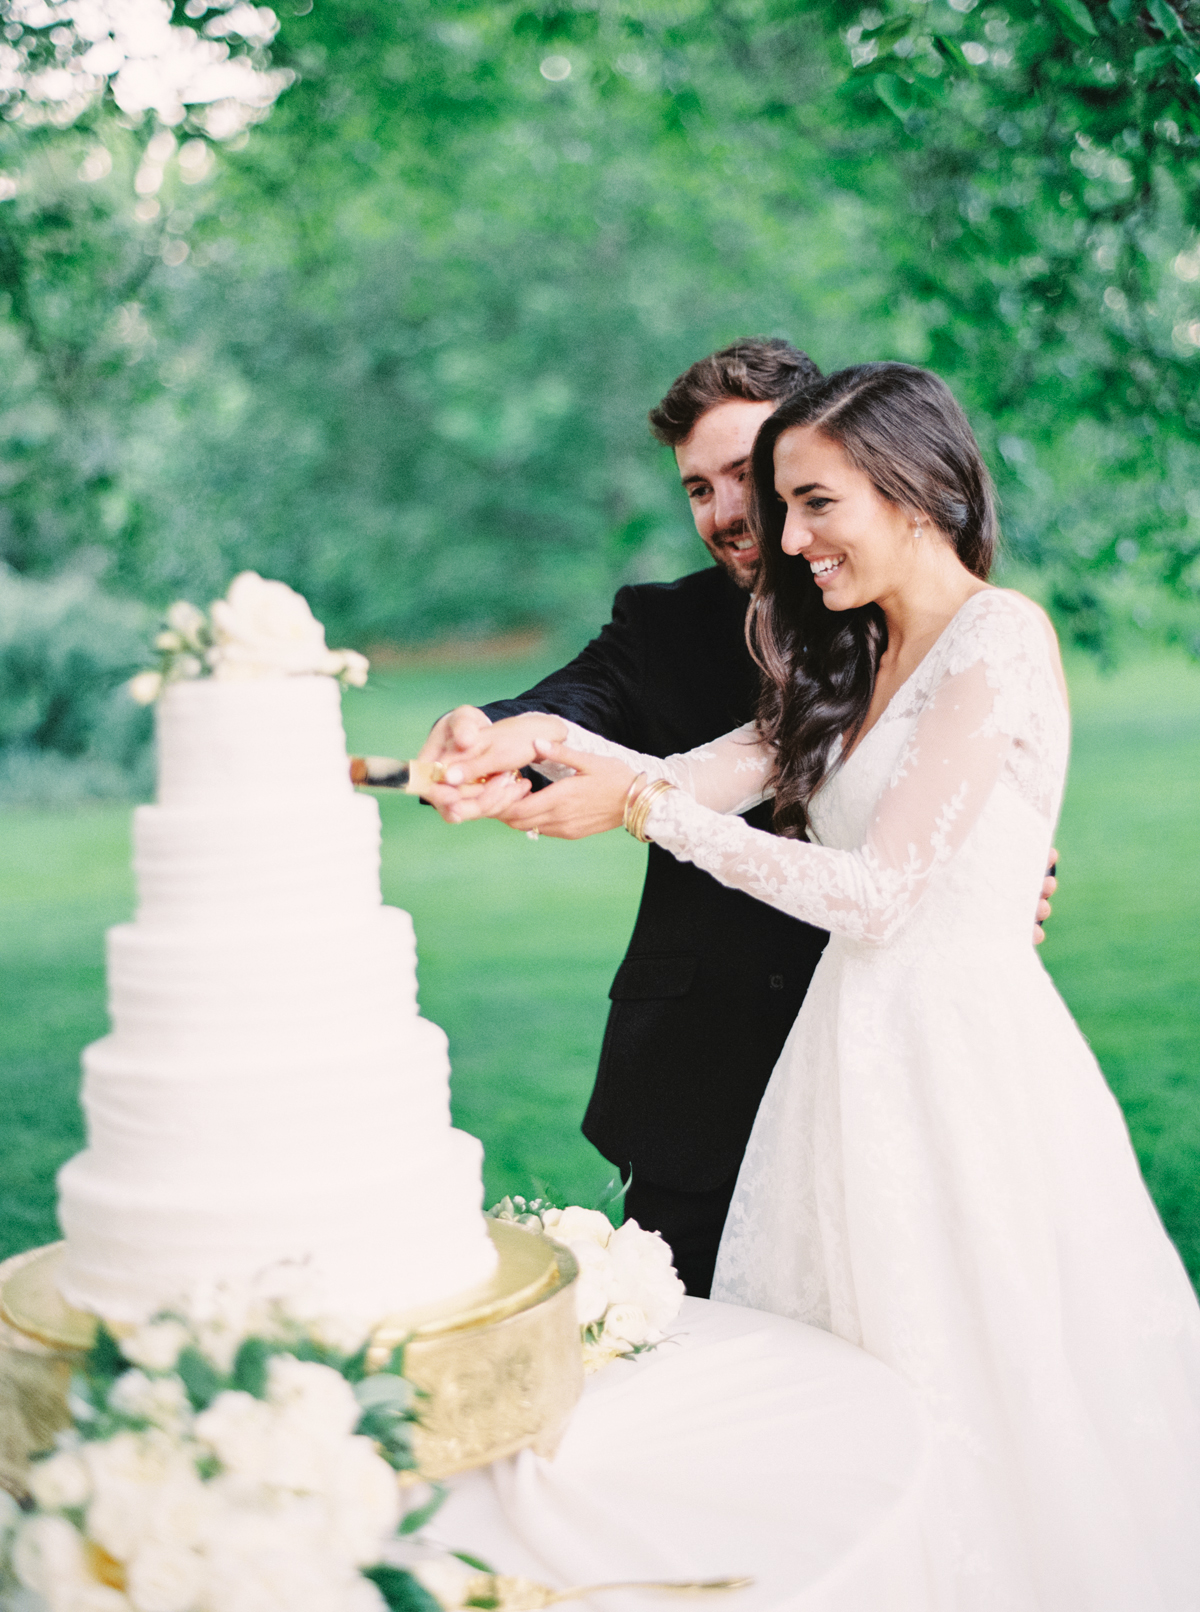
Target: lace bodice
point(985, 709)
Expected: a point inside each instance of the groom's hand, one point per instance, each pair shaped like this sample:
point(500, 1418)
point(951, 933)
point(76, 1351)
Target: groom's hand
point(451, 737)
point(1049, 886)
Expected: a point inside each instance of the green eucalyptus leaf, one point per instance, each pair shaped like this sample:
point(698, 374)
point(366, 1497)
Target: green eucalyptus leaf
point(400, 1590)
point(355, 1367)
point(414, 1520)
point(200, 1378)
point(104, 1361)
point(476, 1562)
point(251, 1366)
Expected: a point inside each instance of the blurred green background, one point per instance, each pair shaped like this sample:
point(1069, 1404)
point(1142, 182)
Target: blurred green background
point(386, 324)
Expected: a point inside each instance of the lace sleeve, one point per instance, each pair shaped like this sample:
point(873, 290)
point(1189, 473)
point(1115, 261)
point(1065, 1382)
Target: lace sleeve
point(730, 774)
point(994, 706)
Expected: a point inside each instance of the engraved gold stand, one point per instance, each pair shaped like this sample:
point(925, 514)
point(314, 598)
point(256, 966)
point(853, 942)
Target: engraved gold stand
point(502, 1367)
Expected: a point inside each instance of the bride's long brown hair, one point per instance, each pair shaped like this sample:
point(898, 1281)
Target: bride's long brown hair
point(901, 427)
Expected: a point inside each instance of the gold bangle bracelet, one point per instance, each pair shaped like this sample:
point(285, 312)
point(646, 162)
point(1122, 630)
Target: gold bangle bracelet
point(640, 810)
point(630, 796)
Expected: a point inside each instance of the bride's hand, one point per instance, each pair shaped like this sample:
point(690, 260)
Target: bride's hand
point(590, 802)
point(505, 746)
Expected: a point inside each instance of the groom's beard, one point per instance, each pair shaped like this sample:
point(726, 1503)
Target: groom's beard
point(739, 565)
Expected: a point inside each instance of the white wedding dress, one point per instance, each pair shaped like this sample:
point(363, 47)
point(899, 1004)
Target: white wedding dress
point(938, 1171)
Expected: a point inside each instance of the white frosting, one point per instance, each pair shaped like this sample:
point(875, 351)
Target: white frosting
point(268, 1091)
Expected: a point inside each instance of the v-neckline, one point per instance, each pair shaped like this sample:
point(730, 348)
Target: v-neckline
point(845, 755)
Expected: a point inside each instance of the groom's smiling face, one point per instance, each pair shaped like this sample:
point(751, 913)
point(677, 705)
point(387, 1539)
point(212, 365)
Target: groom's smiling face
point(714, 466)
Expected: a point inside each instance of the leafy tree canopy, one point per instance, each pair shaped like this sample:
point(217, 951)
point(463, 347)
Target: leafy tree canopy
point(394, 339)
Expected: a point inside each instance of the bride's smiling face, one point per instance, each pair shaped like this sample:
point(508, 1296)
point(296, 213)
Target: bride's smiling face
point(860, 547)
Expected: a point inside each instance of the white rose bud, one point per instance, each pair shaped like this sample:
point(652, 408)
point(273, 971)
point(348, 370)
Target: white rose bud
point(187, 621)
point(145, 687)
point(575, 1224)
point(164, 1578)
point(354, 668)
point(168, 641)
point(60, 1482)
point(626, 1324)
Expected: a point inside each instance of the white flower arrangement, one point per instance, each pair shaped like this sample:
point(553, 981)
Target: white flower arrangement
point(197, 1478)
point(260, 629)
point(627, 1292)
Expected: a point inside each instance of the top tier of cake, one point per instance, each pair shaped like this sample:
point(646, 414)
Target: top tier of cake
point(253, 741)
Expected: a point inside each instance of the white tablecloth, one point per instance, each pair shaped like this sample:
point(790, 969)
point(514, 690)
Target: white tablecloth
point(751, 1445)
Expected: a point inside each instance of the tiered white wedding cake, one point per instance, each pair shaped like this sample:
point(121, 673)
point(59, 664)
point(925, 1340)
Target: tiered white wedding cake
point(268, 1092)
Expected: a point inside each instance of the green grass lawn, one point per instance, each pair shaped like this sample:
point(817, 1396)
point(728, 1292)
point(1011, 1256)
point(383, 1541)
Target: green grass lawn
point(518, 942)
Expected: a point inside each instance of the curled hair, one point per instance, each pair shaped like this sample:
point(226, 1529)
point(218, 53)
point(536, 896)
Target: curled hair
point(756, 369)
point(904, 430)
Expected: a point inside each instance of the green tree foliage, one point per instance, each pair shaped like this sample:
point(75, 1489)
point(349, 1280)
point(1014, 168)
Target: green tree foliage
point(396, 343)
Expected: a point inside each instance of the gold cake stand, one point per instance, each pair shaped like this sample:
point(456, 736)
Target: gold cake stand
point(502, 1365)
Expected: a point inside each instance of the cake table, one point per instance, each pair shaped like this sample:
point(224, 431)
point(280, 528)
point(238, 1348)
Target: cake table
point(752, 1445)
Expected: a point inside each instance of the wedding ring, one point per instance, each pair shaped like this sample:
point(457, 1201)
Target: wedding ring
point(532, 834)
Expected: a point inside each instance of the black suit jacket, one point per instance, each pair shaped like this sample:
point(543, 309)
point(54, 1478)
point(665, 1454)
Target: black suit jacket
point(713, 979)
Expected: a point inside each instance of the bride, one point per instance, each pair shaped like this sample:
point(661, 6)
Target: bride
point(938, 1171)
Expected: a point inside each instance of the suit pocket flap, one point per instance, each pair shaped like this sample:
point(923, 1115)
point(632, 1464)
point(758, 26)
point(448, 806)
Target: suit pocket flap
point(644, 978)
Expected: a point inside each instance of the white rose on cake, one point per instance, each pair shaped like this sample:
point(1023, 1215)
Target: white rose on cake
point(264, 629)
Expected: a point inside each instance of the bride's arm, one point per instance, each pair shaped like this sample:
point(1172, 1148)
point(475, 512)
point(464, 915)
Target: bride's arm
point(978, 716)
point(728, 775)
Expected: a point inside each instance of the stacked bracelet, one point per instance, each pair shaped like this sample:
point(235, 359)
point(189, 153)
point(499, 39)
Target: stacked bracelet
point(637, 806)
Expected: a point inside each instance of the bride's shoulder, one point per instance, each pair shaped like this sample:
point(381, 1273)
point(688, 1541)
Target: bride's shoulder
point(1010, 615)
point(1006, 629)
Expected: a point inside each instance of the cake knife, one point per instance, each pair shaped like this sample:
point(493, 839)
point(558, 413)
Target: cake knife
point(385, 772)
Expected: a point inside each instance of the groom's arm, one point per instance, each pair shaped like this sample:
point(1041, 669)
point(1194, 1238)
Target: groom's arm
point(600, 688)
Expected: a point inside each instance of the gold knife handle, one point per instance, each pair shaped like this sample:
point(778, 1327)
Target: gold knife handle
point(385, 772)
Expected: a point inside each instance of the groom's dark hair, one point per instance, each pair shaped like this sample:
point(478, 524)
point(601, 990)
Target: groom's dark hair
point(756, 369)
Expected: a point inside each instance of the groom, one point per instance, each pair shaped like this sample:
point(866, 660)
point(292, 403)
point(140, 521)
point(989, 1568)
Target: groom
point(712, 980)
